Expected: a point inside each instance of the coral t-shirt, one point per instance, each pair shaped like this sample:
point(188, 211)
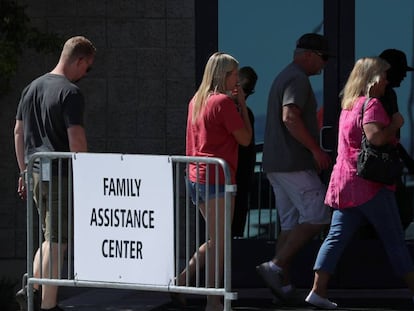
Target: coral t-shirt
point(345, 188)
point(211, 136)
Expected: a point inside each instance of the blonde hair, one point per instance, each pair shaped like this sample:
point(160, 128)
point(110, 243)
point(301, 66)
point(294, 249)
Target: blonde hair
point(218, 68)
point(77, 47)
point(367, 71)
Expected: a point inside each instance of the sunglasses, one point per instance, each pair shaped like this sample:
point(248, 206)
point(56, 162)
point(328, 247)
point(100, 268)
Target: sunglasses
point(324, 57)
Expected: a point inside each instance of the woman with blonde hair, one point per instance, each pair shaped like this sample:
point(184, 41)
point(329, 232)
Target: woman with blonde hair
point(215, 128)
point(354, 199)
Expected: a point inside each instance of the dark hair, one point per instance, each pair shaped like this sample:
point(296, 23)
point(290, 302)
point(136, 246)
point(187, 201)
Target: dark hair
point(249, 73)
point(248, 79)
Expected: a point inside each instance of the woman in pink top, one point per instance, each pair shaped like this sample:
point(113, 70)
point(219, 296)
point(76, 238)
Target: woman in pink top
point(354, 199)
point(215, 128)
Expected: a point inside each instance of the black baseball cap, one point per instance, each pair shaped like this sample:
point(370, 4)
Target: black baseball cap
point(314, 42)
point(396, 59)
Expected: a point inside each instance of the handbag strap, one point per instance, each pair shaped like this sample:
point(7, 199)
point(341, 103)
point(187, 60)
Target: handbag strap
point(362, 113)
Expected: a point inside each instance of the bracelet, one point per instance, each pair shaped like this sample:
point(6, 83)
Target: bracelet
point(23, 173)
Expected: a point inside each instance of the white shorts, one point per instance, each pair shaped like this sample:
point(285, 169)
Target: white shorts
point(299, 198)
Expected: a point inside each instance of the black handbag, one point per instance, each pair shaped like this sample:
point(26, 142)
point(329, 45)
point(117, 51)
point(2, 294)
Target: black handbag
point(378, 163)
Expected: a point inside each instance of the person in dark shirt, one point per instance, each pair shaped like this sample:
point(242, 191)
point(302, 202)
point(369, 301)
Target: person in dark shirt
point(50, 118)
point(247, 159)
point(395, 75)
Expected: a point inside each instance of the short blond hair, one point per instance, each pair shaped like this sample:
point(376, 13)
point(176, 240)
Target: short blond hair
point(78, 47)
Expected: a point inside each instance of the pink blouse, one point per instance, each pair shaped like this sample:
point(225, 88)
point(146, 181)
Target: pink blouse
point(346, 189)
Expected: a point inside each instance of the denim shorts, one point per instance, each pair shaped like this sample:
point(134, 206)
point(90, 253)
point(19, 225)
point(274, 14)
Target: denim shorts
point(200, 189)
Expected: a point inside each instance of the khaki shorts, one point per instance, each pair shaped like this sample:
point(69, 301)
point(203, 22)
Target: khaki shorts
point(56, 217)
point(299, 198)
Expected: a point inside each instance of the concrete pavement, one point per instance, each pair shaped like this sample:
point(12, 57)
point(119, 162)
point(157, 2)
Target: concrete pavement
point(257, 299)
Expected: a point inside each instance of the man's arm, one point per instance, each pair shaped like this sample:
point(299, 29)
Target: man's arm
point(292, 118)
point(19, 150)
point(19, 144)
point(77, 139)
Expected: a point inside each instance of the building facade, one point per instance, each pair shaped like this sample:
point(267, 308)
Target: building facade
point(136, 95)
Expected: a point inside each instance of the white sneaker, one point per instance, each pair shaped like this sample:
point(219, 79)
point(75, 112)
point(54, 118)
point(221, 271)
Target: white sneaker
point(317, 301)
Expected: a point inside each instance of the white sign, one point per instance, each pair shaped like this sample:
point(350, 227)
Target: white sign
point(123, 218)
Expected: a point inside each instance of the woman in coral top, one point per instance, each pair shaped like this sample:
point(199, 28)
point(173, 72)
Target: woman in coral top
point(215, 128)
point(354, 199)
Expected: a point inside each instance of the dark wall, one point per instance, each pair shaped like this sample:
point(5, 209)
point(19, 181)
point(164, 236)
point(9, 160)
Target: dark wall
point(136, 94)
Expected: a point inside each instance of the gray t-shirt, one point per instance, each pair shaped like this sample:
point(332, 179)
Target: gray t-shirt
point(48, 106)
point(281, 151)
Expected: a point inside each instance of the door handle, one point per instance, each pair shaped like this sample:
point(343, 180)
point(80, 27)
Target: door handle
point(323, 128)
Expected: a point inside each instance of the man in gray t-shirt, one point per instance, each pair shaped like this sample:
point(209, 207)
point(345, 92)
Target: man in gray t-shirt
point(291, 90)
point(292, 159)
point(50, 118)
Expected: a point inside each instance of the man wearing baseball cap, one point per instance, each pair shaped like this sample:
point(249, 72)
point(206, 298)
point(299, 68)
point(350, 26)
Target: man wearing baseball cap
point(316, 43)
point(292, 159)
point(395, 75)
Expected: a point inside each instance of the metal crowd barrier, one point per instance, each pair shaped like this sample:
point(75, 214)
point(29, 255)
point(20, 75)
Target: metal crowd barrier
point(262, 221)
point(188, 229)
